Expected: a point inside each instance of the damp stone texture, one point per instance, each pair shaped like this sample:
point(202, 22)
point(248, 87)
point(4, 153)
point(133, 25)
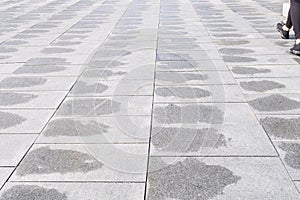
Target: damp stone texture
point(147, 100)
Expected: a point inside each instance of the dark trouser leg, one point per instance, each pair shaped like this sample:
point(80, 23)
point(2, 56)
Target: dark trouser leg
point(289, 23)
point(295, 16)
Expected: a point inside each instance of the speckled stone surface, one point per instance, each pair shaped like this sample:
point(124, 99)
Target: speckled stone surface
point(147, 99)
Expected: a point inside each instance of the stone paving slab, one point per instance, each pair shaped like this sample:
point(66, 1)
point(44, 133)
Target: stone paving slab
point(96, 87)
point(210, 65)
point(74, 191)
point(34, 83)
point(4, 174)
point(274, 103)
point(117, 129)
point(223, 140)
point(84, 163)
point(269, 85)
point(205, 90)
point(184, 94)
point(109, 106)
point(36, 100)
point(281, 127)
point(265, 71)
point(195, 78)
point(14, 147)
point(289, 153)
point(231, 178)
point(24, 121)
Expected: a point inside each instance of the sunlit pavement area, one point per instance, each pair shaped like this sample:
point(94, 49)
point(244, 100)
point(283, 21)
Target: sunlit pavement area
point(147, 99)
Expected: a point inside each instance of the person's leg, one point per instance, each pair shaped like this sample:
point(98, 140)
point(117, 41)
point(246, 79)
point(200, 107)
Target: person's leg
point(288, 25)
point(295, 16)
point(284, 29)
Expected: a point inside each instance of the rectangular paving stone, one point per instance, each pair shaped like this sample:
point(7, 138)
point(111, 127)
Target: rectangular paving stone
point(33, 100)
point(212, 93)
point(105, 106)
point(194, 78)
point(125, 72)
point(4, 174)
point(95, 87)
point(274, 103)
point(36, 83)
point(187, 55)
point(281, 127)
point(49, 70)
point(268, 71)
point(107, 162)
point(100, 130)
point(24, 121)
point(74, 191)
point(259, 60)
point(211, 65)
point(9, 68)
point(269, 85)
point(289, 154)
point(213, 140)
point(169, 176)
point(204, 114)
point(14, 147)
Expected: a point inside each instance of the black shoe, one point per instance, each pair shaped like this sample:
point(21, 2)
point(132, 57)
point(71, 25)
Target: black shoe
point(284, 34)
point(296, 49)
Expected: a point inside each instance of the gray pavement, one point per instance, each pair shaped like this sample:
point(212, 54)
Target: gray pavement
point(147, 99)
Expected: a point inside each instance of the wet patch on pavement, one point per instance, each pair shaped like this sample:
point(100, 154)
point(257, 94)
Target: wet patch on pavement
point(73, 128)
point(274, 103)
point(30, 192)
point(44, 160)
point(190, 179)
point(261, 86)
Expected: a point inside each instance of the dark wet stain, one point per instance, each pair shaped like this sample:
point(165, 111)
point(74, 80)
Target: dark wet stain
point(238, 59)
point(38, 69)
point(274, 102)
point(235, 51)
point(283, 43)
point(165, 56)
point(292, 156)
point(45, 160)
point(176, 65)
point(171, 114)
point(56, 50)
point(232, 42)
point(25, 36)
point(282, 128)
point(19, 82)
point(32, 192)
point(249, 70)
point(73, 128)
point(229, 35)
point(4, 57)
point(105, 63)
point(8, 120)
point(182, 92)
point(11, 98)
point(66, 43)
point(261, 86)
point(15, 42)
point(88, 107)
point(45, 60)
point(104, 74)
point(180, 77)
point(7, 50)
point(186, 139)
point(190, 179)
point(85, 88)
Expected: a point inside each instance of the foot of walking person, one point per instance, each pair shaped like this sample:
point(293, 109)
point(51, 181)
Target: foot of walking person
point(283, 30)
point(296, 49)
